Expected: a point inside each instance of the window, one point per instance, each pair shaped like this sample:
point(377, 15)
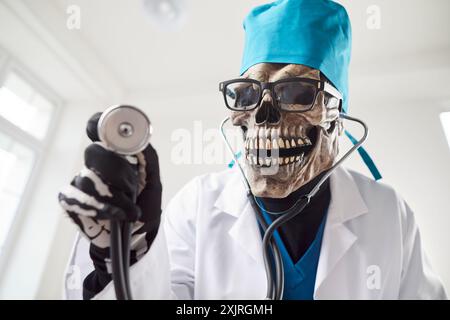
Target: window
point(23, 106)
point(16, 165)
point(445, 119)
point(25, 117)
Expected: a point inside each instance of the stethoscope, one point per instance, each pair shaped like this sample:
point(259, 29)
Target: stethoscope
point(275, 271)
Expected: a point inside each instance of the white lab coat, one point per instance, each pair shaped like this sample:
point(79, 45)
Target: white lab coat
point(210, 247)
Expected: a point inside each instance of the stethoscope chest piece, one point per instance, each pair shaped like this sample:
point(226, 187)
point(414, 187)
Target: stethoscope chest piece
point(124, 129)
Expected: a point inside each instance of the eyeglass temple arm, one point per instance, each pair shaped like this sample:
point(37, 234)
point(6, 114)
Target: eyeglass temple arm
point(327, 87)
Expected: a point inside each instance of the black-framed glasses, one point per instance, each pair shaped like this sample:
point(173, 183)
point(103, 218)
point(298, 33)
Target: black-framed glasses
point(290, 94)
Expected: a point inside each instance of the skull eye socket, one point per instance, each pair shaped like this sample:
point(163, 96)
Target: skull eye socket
point(242, 96)
point(295, 96)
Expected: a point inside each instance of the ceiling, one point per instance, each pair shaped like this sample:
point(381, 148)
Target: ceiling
point(132, 53)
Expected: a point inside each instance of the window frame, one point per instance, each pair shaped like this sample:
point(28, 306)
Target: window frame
point(444, 116)
point(39, 147)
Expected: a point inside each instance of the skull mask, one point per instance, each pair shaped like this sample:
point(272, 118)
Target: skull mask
point(302, 144)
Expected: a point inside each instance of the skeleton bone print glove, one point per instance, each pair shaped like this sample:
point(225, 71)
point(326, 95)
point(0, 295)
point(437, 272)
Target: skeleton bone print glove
point(103, 190)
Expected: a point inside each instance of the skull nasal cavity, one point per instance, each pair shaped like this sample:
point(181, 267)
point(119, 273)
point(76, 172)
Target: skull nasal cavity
point(267, 113)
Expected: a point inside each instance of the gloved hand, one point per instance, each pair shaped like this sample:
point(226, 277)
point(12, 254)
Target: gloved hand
point(104, 190)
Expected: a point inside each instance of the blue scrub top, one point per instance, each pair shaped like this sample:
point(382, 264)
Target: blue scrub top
point(300, 277)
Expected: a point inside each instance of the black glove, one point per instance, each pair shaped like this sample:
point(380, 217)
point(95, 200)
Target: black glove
point(105, 189)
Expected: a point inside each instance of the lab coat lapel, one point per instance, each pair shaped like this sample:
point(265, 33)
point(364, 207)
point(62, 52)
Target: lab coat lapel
point(245, 230)
point(346, 204)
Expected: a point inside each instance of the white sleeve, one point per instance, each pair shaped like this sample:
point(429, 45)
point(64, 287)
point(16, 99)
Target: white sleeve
point(79, 266)
point(166, 271)
point(180, 227)
point(150, 276)
point(418, 279)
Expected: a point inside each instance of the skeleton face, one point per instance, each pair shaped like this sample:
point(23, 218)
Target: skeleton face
point(301, 144)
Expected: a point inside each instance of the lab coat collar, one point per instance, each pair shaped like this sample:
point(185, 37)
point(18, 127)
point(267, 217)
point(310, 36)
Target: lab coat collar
point(346, 204)
point(346, 200)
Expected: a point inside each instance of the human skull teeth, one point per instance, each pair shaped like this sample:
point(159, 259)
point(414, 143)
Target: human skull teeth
point(293, 143)
point(253, 160)
point(280, 143)
point(276, 146)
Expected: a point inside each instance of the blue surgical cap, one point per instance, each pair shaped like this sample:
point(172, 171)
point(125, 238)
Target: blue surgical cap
point(314, 33)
